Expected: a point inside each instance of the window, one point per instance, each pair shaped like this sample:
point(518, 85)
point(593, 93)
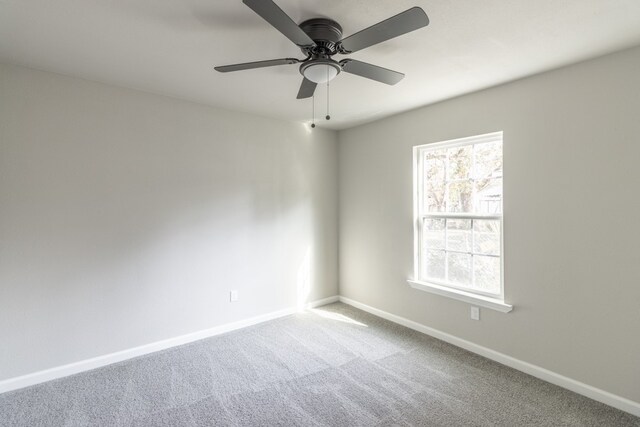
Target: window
point(458, 216)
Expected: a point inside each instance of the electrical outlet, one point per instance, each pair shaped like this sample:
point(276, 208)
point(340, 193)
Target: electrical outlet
point(475, 313)
point(233, 296)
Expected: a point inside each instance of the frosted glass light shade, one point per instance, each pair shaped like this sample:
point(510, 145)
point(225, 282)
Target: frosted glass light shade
point(320, 73)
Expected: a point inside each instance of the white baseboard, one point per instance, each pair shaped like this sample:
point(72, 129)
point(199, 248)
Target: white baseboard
point(536, 371)
point(108, 359)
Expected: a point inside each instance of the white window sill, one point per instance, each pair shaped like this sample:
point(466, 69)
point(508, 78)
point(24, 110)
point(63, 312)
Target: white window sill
point(487, 302)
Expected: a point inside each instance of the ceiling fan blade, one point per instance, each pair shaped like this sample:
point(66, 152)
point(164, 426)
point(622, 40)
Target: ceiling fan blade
point(402, 23)
point(306, 89)
point(370, 71)
point(257, 64)
point(270, 12)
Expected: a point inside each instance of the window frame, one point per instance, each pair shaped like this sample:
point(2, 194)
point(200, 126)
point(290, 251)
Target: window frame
point(489, 299)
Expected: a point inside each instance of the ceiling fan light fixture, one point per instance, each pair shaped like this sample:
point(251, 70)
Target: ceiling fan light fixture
point(319, 71)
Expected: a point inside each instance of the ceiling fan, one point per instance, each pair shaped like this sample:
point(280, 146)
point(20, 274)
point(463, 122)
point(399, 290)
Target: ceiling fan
point(321, 38)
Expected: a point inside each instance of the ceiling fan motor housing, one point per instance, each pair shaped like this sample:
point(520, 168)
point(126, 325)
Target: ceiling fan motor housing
point(326, 33)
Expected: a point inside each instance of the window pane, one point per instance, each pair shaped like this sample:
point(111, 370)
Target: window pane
point(489, 196)
point(460, 196)
point(486, 237)
point(435, 165)
point(434, 234)
point(434, 264)
point(434, 197)
point(460, 162)
point(488, 160)
point(459, 235)
point(434, 180)
point(459, 268)
point(487, 273)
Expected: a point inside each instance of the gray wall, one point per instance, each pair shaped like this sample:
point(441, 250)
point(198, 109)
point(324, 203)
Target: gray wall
point(127, 217)
point(572, 229)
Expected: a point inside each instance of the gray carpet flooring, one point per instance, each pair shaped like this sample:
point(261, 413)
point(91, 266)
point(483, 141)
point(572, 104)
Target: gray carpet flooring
point(334, 366)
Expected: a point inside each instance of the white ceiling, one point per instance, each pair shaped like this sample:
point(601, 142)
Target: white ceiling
point(170, 47)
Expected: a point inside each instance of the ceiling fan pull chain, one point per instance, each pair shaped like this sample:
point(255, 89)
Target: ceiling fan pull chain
point(313, 110)
point(328, 117)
